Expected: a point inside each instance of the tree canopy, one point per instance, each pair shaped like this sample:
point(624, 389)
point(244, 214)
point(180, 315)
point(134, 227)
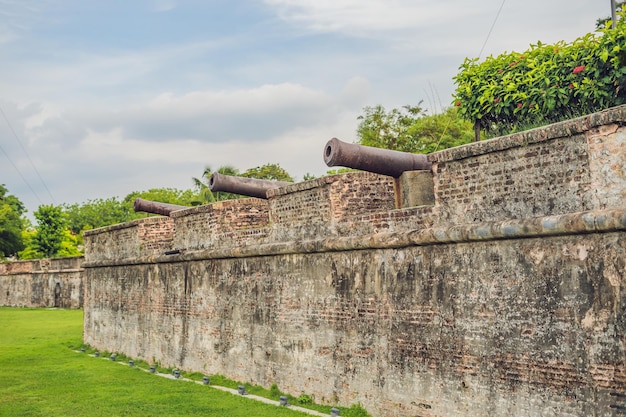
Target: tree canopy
point(11, 223)
point(51, 226)
point(410, 129)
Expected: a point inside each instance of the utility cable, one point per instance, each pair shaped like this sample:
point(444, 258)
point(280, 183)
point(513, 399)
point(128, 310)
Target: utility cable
point(27, 155)
point(20, 174)
point(491, 29)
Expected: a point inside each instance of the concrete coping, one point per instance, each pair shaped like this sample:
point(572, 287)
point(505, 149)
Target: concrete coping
point(595, 221)
point(219, 205)
point(317, 183)
point(126, 225)
point(557, 130)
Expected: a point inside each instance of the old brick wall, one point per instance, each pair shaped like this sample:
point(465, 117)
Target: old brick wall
point(42, 283)
point(506, 297)
point(563, 168)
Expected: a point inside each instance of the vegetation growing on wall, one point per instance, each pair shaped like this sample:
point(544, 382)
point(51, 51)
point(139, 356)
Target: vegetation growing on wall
point(547, 83)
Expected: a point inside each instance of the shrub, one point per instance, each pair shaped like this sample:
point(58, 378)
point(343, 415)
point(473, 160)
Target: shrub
point(547, 83)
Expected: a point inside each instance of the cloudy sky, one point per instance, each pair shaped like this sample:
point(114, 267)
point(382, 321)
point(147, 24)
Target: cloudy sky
point(101, 98)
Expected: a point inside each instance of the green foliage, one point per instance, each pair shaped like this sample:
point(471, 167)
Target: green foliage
point(410, 129)
point(70, 245)
point(268, 172)
point(304, 399)
point(96, 213)
point(265, 172)
point(440, 131)
point(382, 129)
point(51, 238)
point(356, 410)
point(600, 23)
point(340, 171)
point(29, 251)
point(204, 194)
point(162, 195)
point(51, 227)
point(104, 212)
point(11, 223)
point(545, 84)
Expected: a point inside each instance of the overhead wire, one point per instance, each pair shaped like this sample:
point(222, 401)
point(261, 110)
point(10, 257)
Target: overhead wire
point(491, 29)
point(20, 174)
point(17, 138)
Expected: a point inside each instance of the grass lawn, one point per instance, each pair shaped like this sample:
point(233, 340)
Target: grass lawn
point(41, 376)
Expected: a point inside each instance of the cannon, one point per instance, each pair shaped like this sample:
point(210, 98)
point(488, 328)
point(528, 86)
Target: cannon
point(251, 187)
point(376, 160)
point(155, 207)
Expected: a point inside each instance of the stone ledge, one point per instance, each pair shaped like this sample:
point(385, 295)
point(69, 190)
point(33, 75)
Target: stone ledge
point(595, 221)
point(127, 225)
point(557, 130)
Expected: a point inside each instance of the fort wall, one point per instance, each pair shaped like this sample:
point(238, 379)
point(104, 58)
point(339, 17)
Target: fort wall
point(42, 283)
point(506, 296)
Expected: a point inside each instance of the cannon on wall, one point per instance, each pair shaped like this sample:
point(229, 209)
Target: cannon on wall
point(155, 207)
point(251, 187)
point(376, 160)
point(412, 173)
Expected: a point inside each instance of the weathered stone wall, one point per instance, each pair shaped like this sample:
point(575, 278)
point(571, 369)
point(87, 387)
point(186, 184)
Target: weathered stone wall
point(506, 297)
point(42, 283)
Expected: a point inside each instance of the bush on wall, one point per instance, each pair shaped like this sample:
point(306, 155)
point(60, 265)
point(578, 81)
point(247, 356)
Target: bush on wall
point(547, 83)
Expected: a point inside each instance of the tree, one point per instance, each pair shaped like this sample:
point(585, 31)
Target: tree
point(11, 223)
point(440, 131)
point(265, 172)
point(389, 130)
point(162, 195)
point(204, 194)
point(104, 212)
point(51, 226)
point(410, 129)
point(96, 213)
point(268, 172)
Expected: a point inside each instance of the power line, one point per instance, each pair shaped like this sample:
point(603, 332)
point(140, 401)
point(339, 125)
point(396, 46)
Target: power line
point(27, 155)
point(20, 174)
point(491, 29)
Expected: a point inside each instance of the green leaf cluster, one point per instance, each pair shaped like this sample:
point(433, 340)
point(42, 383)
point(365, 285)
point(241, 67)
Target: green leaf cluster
point(104, 212)
point(11, 223)
point(47, 241)
point(410, 129)
point(547, 83)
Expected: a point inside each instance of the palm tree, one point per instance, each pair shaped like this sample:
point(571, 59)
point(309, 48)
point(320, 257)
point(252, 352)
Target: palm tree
point(205, 195)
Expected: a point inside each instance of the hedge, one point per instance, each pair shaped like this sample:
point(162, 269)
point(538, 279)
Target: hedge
point(545, 84)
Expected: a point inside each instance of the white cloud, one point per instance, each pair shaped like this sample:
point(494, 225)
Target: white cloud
point(446, 26)
point(362, 17)
point(164, 5)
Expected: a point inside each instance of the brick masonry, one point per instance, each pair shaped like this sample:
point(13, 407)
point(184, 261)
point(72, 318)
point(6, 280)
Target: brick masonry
point(42, 283)
point(506, 297)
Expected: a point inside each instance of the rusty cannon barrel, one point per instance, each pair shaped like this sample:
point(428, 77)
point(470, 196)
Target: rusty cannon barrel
point(379, 161)
point(251, 187)
point(155, 207)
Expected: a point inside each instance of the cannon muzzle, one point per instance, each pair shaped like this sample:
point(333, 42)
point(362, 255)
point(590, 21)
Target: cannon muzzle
point(250, 187)
point(376, 160)
point(155, 207)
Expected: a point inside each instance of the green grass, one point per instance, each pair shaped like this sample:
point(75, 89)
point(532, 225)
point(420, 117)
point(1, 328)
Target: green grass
point(41, 376)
